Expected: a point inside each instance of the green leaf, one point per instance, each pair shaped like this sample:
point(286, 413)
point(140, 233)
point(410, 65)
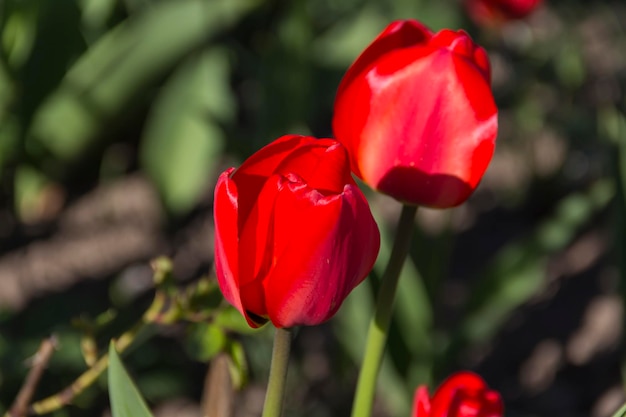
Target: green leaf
point(518, 272)
point(9, 137)
point(95, 13)
point(351, 324)
point(18, 36)
point(205, 340)
point(29, 186)
point(340, 45)
point(101, 87)
point(182, 143)
point(413, 315)
point(204, 297)
point(57, 43)
point(238, 365)
point(126, 401)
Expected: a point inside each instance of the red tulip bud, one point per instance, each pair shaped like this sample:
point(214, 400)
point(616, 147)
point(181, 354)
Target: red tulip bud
point(293, 232)
point(417, 115)
point(464, 394)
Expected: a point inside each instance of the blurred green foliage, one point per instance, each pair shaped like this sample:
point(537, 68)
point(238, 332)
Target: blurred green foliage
point(98, 91)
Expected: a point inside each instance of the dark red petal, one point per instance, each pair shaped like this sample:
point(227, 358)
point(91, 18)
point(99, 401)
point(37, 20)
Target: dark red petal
point(481, 59)
point(226, 242)
point(493, 406)
point(496, 12)
point(520, 8)
point(324, 247)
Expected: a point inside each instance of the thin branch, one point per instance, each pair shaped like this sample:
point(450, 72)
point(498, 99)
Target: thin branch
point(168, 306)
point(64, 397)
point(38, 364)
point(159, 312)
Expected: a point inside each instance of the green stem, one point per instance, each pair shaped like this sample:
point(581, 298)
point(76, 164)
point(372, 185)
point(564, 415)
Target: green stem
point(278, 374)
point(379, 326)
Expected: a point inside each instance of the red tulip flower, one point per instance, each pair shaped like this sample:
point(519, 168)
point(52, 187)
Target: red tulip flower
point(417, 114)
point(464, 394)
point(293, 232)
point(496, 12)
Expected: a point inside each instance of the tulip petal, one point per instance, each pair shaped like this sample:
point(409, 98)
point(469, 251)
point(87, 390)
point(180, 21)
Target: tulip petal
point(322, 164)
point(497, 12)
point(252, 174)
point(256, 247)
point(466, 382)
point(417, 115)
point(226, 239)
point(397, 35)
point(324, 246)
point(430, 114)
point(318, 161)
point(421, 403)
point(461, 44)
point(265, 160)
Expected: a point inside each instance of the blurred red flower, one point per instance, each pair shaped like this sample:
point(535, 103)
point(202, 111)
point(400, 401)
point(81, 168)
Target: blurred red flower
point(496, 12)
point(293, 232)
point(417, 114)
point(464, 394)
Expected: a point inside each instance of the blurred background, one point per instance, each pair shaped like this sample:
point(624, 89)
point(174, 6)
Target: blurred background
point(116, 116)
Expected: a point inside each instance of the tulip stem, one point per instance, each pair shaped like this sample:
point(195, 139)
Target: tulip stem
point(278, 374)
point(379, 325)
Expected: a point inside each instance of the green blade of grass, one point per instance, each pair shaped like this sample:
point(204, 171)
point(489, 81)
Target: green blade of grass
point(126, 401)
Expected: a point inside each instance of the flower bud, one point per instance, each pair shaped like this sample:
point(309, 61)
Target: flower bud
point(494, 13)
point(417, 115)
point(464, 394)
point(293, 232)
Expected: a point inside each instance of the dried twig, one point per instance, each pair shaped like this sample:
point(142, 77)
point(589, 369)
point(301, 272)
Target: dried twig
point(218, 396)
point(64, 397)
point(167, 307)
point(38, 363)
